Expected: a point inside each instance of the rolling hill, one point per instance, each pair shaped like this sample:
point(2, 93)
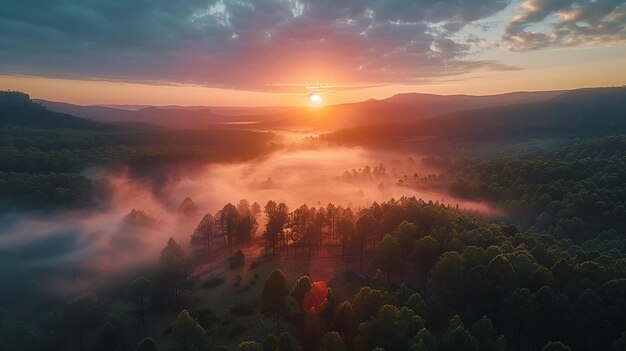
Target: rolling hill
point(18, 110)
point(576, 114)
point(399, 108)
point(178, 117)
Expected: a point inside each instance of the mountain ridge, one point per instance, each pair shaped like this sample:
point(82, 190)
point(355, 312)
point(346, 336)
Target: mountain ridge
point(400, 107)
point(18, 110)
point(579, 113)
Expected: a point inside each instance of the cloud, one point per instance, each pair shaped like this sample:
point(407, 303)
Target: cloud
point(568, 22)
point(260, 45)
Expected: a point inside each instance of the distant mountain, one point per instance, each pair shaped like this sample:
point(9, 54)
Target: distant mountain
point(98, 113)
point(230, 111)
point(171, 117)
point(18, 110)
point(574, 114)
point(399, 108)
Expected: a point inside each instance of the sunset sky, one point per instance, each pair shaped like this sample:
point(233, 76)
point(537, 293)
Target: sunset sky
point(276, 52)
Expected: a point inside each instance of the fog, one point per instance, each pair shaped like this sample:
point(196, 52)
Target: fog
point(79, 250)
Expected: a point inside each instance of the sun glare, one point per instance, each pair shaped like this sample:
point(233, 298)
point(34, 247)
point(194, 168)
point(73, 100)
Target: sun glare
point(315, 98)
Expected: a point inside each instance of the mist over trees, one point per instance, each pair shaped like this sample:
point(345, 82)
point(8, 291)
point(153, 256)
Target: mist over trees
point(548, 273)
point(43, 153)
point(456, 282)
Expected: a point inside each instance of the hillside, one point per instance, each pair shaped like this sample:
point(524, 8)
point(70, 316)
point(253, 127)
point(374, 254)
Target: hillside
point(168, 116)
point(576, 114)
point(18, 110)
point(398, 108)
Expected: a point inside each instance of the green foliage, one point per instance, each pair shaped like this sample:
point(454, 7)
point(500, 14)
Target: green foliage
point(28, 190)
point(448, 273)
point(139, 218)
point(556, 346)
point(269, 343)
point(82, 314)
point(417, 304)
point(111, 338)
point(147, 344)
point(345, 321)
point(539, 288)
point(457, 338)
point(277, 217)
point(500, 271)
point(175, 279)
point(534, 286)
point(249, 346)
point(333, 341)
point(379, 280)
point(300, 288)
point(425, 253)
point(406, 234)
point(40, 168)
point(485, 334)
point(139, 293)
point(392, 328)
point(387, 255)
point(286, 342)
point(519, 314)
point(366, 303)
point(573, 191)
point(424, 340)
point(274, 294)
point(188, 331)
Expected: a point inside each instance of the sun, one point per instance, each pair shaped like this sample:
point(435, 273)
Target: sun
point(315, 99)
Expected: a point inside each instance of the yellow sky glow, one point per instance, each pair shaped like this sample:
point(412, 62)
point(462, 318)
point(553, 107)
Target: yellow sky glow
point(607, 72)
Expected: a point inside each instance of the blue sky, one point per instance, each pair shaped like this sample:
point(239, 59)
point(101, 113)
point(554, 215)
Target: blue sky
point(338, 47)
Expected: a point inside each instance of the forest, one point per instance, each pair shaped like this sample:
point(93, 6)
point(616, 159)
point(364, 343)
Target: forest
point(306, 175)
point(42, 168)
point(415, 275)
point(522, 249)
point(575, 191)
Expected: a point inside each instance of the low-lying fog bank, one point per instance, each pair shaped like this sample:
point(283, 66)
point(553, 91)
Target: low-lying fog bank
point(80, 250)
